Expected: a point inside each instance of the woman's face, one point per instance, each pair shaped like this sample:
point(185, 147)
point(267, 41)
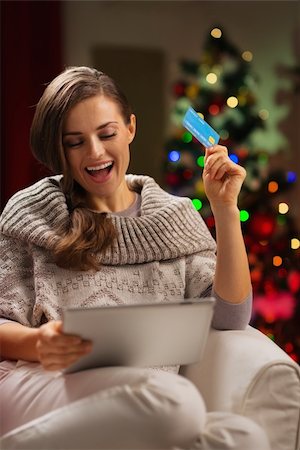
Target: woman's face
point(96, 143)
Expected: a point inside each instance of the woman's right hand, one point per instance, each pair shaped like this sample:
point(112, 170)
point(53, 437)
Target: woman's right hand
point(57, 350)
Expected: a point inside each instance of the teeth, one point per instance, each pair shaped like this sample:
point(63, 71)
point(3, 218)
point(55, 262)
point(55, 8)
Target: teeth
point(102, 166)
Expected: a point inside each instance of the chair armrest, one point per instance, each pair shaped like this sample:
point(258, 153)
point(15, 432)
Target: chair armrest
point(246, 373)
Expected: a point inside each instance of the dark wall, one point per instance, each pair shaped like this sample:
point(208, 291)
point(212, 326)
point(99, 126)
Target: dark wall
point(30, 57)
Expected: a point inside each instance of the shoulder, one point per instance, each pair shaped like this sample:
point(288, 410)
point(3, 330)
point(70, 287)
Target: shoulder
point(36, 192)
point(39, 206)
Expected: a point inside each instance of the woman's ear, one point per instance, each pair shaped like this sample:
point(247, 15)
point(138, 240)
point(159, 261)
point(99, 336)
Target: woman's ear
point(131, 128)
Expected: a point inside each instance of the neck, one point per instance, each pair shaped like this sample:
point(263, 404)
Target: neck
point(118, 201)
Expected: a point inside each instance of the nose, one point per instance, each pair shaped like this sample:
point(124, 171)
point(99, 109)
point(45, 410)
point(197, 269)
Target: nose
point(95, 147)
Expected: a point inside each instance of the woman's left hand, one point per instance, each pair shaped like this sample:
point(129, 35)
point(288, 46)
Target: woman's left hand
point(222, 177)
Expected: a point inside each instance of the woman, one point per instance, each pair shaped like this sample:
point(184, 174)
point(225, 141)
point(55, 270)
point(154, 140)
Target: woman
point(95, 236)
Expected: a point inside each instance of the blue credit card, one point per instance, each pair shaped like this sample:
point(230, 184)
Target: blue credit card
point(200, 129)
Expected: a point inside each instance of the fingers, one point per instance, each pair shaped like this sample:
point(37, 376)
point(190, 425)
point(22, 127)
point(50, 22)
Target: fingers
point(215, 148)
point(57, 350)
point(218, 164)
point(55, 361)
point(51, 334)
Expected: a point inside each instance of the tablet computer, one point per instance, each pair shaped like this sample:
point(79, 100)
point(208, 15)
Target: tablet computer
point(143, 335)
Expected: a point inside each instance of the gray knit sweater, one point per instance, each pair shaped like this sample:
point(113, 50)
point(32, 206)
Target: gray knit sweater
point(166, 253)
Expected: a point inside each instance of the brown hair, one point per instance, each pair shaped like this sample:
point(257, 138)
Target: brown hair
point(87, 233)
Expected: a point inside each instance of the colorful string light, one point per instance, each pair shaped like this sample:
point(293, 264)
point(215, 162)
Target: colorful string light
point(187, 137)
point(174, 156)
point(291, 177)
point(295, 243)
point(247, 56)
point(211, 78)
point(197, 203)
point(232, 102)
point(244, 215)
point(272, 187)
point(200, 161)
point(214, 109)
point(277, 261)
point(216, 33)
point(234, 158)
point(283, 208)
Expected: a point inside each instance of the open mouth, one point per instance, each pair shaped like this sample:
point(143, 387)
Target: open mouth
point(101, 171)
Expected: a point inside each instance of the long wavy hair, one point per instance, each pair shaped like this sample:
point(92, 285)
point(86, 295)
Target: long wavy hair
point(87, 234)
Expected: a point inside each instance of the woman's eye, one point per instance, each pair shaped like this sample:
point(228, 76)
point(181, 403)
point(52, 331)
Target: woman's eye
point(72, 144)
point(107, 136)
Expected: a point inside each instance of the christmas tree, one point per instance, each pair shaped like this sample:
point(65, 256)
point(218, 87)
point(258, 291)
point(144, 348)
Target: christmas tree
point(222, 88)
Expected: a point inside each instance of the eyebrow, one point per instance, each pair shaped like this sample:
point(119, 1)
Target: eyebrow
point(76, 133)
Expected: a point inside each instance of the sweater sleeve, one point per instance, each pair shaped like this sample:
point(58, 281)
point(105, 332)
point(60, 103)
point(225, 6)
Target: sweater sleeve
point(200, 270)
point(231, 316)
point(17, 292)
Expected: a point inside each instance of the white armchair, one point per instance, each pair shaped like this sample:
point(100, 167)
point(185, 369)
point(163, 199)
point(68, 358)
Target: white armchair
point(244, 372)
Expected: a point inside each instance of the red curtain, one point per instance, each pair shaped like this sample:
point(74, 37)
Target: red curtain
point(31, 55)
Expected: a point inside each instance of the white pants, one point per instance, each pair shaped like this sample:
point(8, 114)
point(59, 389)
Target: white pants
point(115, 408)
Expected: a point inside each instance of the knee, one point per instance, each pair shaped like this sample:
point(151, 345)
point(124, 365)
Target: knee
point(179, 412)
point(254, 435)
point(227, 431)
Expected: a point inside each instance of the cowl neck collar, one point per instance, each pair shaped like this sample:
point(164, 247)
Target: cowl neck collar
point(169, 227)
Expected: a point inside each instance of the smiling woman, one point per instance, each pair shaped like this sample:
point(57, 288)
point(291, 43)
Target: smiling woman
point(92, 235)
point(84, 116)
